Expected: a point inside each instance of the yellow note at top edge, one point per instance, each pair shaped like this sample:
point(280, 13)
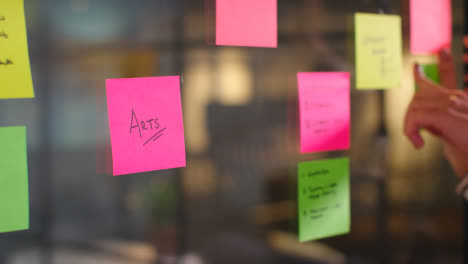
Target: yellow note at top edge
point(15, 70)
point(378, 43)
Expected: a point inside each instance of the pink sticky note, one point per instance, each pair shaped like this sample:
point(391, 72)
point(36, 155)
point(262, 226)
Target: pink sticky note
point(146, 125)
point(324, 111)
point(246, 23)
point(430, 25)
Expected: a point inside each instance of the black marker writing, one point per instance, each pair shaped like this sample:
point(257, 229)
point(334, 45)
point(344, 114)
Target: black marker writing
point(312, 196)
point(7, 62)
point(325, 193)
point(308, 105)
point(379, 52)
point(146, 125)
point(373, 40)
point(318, 210)
point(320, 131)
point(315, 189)
point(150, 122)
point(155, 136)
point(318, 172)
point(143, 125)
point(131, 123)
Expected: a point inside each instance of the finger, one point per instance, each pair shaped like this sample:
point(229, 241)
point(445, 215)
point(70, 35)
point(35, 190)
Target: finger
point(459, 102)
point(413, 134)
point(458, 114)
point(465, 58)
point(429, 120)
point(440, 99)
point(433, 94)
point(434, 131)
point(426, 106)
point(421, 80)
point(447, 69)
point(416, 109)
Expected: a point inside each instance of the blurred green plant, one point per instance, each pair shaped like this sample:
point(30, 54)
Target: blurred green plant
point(160, 201)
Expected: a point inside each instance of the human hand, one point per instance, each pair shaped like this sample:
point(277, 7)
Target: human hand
point(456, 158)
point(441, 111)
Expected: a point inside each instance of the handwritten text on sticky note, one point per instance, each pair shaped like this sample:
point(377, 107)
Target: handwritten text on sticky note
point(324, 205)
point(146, 125)
point(14, 201)
point(246, 23)
point(15, 71)
point(324, 111)
point(378, 44)
point(430, 25)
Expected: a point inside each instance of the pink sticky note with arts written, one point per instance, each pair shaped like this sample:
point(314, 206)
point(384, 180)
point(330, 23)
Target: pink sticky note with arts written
point(324, 110)
point(430, 25)
point(247, 23)
point(146, 124)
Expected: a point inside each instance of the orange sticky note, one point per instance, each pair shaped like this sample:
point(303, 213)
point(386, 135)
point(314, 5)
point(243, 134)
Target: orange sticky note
point(430, 25)
point(146, 125)
point(246, 23)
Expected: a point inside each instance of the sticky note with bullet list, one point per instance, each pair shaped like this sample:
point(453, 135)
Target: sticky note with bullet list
point(15, 71)
point(146, 124)
point(324, 198)
point(324, 105)
point(378, 43)
point(246, 23)
point(430, 25)
point(14, 197)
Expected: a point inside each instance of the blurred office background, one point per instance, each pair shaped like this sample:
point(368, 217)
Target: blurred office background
point(235, 202)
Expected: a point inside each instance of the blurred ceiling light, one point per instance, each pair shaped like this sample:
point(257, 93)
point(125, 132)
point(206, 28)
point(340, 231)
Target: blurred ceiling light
point(197, 94)
point(235, 78)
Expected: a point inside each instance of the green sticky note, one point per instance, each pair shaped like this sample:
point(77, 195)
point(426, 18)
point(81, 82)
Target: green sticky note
point(15, 71)
point(14, 201)
point(378, 44)
point(323, 197)
point(432, 72)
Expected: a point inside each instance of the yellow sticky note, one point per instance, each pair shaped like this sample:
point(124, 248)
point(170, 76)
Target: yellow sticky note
point(15, 71)
point(378, 51)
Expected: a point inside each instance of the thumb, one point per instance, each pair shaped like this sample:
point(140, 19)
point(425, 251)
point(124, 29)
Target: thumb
point(447, 69)
point(421, 80)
